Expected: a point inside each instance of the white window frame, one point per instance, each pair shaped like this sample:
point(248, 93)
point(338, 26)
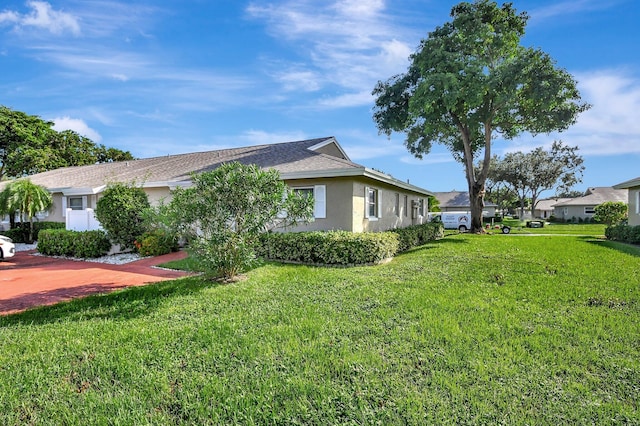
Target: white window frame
point(638, 202)
point(66, 203)
point(319, 194)
point(377, 203)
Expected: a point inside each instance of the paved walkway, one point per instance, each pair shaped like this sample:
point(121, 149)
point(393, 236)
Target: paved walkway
point(27, 281)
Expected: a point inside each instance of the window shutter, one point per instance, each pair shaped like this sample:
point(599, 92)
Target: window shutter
point(64, 206)
point(366, 202)
point(320, 201)
point(379, 201)
point(638, 202)
point(84, 202)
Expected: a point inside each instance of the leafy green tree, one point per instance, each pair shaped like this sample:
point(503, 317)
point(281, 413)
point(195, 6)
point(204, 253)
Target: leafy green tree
point(226, 209)
point(30, 145)
point(611, 212)
point(27, 198)
point(121, 211)
point(529, 174)
point(471, 80)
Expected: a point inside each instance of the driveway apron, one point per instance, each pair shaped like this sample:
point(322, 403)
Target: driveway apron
point(27, 281)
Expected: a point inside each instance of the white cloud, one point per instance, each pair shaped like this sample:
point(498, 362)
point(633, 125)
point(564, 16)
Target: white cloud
point(567, 7)
point(43, 16)
point(260, 137)
point(351, 44)
point(78, 126)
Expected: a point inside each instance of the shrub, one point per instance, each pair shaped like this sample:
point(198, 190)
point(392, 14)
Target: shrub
point(156, 243)
point(418, 235)
point(611, 212)
point(121, 212)
point(85, 244)
point(624, 233)
point(329, 248)
point(20, 234)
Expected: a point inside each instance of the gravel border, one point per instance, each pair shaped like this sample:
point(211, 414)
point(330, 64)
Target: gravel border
point(112, 259)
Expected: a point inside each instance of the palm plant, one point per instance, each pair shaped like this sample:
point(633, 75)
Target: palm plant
point(26, 197)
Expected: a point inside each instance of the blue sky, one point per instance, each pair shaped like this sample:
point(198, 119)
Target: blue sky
point(161, 77)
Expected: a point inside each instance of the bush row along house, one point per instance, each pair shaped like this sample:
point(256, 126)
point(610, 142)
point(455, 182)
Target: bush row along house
point(348, 196)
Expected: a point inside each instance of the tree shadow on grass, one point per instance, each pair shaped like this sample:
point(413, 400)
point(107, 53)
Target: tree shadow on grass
point(632, 249)
point(121, 304)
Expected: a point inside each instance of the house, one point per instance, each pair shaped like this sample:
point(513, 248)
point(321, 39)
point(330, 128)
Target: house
point(457, 201)
point(544, 208)
point(583, 208)
point(348, 196)
point(633, 195)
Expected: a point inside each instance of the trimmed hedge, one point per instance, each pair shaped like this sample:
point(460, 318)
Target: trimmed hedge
point(85, 244)
point(417, 235)
point(624, 233)
point(20, 234)
point(345, 248)
point(329, 248)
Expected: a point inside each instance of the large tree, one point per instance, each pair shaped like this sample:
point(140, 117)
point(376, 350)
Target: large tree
point(471, 80)
point(529, 174)
point(30, 145)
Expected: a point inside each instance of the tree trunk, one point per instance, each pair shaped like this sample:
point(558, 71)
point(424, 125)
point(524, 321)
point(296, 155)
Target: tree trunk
point(476, 201)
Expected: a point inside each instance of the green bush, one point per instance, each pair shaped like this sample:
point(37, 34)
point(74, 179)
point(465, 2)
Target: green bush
point(329, 248)
point(85, 244)
point(121, 211)
point(156, 243)
point(20, 234)
point(418, 235)
point(624, 233)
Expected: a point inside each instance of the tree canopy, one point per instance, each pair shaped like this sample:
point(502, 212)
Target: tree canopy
point(30, 145)
point(469, 81)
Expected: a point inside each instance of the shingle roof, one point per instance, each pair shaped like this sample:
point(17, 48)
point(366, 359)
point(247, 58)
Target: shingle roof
point(307, 158)
point(456, 199)
point(628, 184)
point(597, 195)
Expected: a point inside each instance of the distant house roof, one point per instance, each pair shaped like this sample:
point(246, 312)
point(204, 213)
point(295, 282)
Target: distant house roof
point(547, 204)
point(456, 199)
point(312, 158)
point(595, 196)
point(628, 184)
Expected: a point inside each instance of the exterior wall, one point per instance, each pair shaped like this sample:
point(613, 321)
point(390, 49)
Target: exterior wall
point(389, 218)
point(338, 204)
point(634, 206)
point(567, 213)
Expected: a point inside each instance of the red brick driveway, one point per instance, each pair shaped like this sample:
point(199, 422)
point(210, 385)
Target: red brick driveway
point(27, 281)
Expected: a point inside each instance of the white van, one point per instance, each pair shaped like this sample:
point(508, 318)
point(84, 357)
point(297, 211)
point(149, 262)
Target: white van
point(452, 220)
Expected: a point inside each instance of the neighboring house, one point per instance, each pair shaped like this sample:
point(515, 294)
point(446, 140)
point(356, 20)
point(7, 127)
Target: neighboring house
point(457, 201)
point(583, 207)
point(544, 208)
point(633, 194)
point(347, 195)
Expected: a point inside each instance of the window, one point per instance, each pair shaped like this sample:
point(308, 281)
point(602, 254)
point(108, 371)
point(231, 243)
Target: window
point(75, 203)
point(589, 210)
point(421, 208)
point(372, 203)
point(319, 194)
point(397, 205)
point(638, 202)
point(406, 205)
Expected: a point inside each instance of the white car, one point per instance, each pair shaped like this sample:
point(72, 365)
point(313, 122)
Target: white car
point(7, 248)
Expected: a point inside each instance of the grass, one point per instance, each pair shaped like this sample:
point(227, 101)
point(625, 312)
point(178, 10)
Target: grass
point(468, 330)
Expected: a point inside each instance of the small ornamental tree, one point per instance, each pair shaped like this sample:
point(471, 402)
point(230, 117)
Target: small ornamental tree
point(611, 212)
point(28, 199)
point(121, 211)
point(225, 211)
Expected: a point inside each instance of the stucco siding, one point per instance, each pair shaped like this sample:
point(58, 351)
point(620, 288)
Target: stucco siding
point(338, 201)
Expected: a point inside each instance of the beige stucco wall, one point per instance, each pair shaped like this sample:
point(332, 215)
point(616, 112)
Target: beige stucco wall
point(338, 203)
point(572, 211)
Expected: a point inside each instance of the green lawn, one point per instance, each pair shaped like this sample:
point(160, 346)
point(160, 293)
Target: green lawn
point(491, 329)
